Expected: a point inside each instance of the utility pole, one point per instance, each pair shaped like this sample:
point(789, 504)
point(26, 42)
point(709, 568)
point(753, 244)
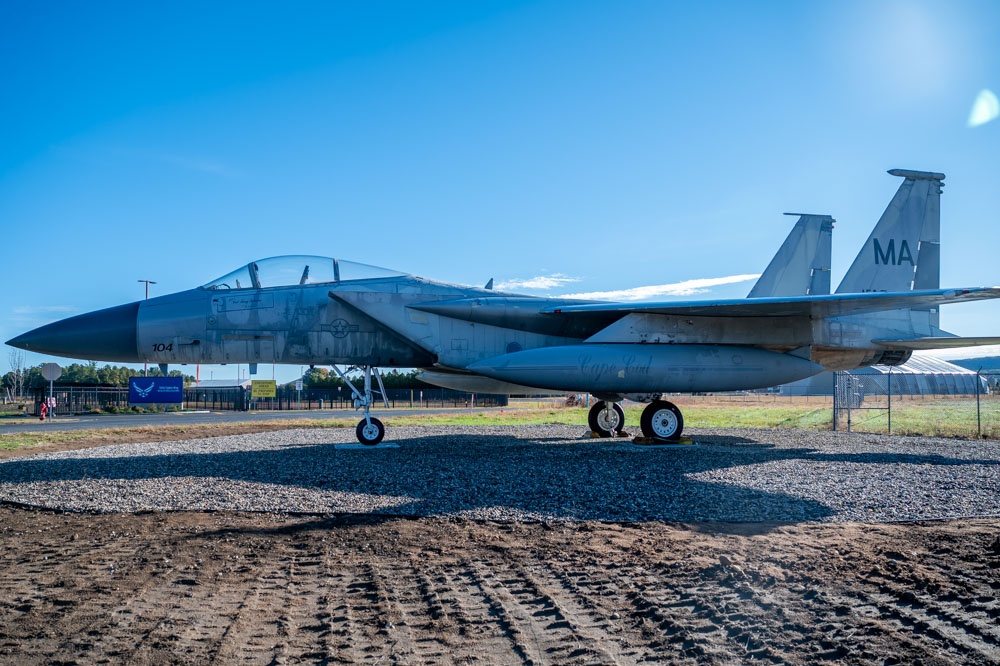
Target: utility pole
point(148, 282)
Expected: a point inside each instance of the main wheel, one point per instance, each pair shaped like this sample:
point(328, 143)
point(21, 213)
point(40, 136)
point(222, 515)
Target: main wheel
point(606, 422)
point(370, 434)
point(661, 420)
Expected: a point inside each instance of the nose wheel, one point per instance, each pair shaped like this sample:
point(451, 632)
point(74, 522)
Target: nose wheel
point(370, 432)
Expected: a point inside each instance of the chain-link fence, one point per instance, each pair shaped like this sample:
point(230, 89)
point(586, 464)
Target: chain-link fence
point(87, 399)
point(897, 403)
point(882, 402)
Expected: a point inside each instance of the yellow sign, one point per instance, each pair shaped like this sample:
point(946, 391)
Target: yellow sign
point(263, 388)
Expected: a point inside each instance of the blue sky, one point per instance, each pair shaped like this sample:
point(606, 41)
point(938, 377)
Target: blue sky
point(600, 145)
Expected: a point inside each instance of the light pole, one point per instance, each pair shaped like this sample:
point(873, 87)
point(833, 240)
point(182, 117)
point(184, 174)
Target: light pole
point(148, 282)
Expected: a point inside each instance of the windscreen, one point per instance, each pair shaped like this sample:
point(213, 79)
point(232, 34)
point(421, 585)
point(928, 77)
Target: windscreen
point(292, 270)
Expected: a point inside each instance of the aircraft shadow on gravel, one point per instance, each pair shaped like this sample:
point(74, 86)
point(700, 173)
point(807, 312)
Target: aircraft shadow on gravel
point(517, 477)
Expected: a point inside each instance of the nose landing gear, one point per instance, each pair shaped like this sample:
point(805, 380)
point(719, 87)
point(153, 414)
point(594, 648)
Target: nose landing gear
point(370, 430)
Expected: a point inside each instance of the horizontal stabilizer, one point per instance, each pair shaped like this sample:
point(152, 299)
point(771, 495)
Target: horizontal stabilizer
point(920, 344)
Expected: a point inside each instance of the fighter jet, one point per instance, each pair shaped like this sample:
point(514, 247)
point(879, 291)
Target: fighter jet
point(324, 311)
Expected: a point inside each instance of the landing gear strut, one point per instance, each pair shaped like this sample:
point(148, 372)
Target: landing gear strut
point(607, 419)
point(370, 430)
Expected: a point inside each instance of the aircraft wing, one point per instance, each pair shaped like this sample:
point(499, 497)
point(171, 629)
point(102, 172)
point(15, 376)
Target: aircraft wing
point(824, 306)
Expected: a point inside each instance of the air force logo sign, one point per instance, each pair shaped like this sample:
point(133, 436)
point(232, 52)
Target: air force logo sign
point(145, 390)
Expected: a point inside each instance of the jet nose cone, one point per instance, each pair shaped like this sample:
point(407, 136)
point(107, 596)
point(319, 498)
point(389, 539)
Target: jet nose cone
point(104, 335)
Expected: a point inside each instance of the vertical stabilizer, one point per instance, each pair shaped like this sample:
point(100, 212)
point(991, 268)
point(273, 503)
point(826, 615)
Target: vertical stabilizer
point(802, 265)
point(903, 251)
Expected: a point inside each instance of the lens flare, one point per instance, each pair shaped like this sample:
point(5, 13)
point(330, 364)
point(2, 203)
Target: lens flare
point(984, 109)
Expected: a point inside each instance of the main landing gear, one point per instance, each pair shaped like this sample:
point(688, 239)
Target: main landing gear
point(607, 419)
point(370, 430)
point(660, 420)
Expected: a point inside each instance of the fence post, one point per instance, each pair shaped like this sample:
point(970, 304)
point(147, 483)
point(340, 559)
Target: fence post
point(835, 375)
point(979, 413)
point(889, 406)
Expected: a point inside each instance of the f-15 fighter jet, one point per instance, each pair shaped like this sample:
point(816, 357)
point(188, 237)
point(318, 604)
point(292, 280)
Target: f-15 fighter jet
point(323, 311)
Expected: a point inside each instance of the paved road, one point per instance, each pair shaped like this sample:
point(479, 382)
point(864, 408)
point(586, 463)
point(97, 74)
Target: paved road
point(97, 421)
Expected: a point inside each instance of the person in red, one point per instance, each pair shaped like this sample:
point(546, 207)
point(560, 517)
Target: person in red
point(44, 411)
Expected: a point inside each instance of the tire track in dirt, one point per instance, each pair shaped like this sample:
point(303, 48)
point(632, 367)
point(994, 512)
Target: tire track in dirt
point(357, 623)
point(83, 593)
point(178, 608)
point(399, 595)
point(411, 609)
point(567, 604)
point(260, 589)
point(283, 614)
point(687, 625)
point(540, 624)
point(464, 614)
point(946, 624)
point(595, 596)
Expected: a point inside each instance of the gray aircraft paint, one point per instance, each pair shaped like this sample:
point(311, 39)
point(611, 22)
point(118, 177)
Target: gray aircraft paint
point(904, 249)
point(327, 311)
point(630, 368)
point(802, 264)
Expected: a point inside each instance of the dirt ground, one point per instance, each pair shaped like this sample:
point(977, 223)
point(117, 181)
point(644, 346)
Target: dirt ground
point(198, 588)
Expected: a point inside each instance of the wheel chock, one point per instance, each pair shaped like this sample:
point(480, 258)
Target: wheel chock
point(651, 441)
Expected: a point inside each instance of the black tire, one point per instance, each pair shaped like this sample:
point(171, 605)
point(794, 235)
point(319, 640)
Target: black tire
point(599, 422)
point(370, 435)
point(661, 420)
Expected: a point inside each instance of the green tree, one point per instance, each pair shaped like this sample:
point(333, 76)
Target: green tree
point(395, 379)
point(76, 373)
point(90, 373)
point(321, 378)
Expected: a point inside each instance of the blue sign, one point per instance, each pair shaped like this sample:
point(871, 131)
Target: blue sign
point(156, 390)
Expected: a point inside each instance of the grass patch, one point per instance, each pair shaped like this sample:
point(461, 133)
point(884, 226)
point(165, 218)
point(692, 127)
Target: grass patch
point(941, 418)
point(946, 418)
point(505, 417)
point(64, 440)
point(747, 416)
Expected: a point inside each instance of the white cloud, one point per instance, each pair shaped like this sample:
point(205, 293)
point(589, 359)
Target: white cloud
point(43, 309)
point(26, 317)
point(199, 164)
point(539, 282)
point(113, 155)
point(685, 288)
point(984, 109)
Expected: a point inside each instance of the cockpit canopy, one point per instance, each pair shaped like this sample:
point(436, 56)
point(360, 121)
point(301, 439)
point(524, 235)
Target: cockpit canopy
point(293, 270)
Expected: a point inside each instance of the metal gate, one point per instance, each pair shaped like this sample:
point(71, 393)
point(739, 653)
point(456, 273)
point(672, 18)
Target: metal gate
point(862, 402)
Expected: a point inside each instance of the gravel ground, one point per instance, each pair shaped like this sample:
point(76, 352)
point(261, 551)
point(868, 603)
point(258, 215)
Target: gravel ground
point(543, 473)
point(240, 579)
